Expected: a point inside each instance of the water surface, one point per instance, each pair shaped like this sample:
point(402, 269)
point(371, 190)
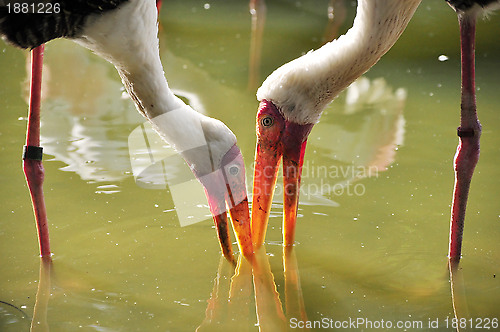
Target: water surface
point(372, 233)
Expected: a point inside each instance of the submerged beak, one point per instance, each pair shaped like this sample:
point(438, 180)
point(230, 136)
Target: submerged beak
point(217, 204)
point(226, 188)
point(277, 139)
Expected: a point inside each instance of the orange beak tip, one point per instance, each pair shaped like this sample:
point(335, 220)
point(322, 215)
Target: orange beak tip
point(240, 217)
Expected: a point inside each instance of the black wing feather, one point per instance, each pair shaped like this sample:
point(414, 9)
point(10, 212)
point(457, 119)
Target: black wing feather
point(33, 29)
point(464, 5)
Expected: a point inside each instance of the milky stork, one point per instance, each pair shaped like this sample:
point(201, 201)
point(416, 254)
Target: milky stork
point(293, 97)
point(124, 32)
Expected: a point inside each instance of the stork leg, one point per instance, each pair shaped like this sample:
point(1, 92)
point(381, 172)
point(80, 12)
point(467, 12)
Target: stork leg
point(32, 156)
point(469, 133)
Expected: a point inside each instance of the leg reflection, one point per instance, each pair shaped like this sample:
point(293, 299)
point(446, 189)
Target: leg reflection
point(458, 298)
point(39, 322)
point(217, 308)
point(258, 11)
point(337, 13)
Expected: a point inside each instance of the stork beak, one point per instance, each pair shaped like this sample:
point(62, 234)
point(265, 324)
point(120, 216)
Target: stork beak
point(237, 200)
point(267, 159)
point(217, 204)
point(293, 159)
point(226, 188)
point(277, 139)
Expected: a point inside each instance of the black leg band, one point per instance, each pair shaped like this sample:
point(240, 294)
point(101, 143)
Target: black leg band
point(32, 152)
point(465, 132)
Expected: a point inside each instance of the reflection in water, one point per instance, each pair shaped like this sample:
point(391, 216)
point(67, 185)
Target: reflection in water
point(458, 298)
point(79, 107)
point(269, 309)
point(242, 297)
point(232, 298)
point(11, 315)
point(337, 13)
point(258, 11)
point(230, 304)
point(40, 322)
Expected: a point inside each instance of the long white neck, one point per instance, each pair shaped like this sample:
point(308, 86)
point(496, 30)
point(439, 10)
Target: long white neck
point(302, 88)
point(127, 37)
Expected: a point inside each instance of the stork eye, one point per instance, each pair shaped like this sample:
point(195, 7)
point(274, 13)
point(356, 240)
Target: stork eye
point(267, 121)
point(234, 170)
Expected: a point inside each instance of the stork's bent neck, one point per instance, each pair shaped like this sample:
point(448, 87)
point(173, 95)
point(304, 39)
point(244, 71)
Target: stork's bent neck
point(303, 87)
point(128, 39)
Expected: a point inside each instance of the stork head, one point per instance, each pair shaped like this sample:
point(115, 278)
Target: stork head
point(209, 148)
point(277, 138)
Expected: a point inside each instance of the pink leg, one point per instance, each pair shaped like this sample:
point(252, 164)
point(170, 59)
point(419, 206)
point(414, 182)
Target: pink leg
point(469, 132)
point(32, 157)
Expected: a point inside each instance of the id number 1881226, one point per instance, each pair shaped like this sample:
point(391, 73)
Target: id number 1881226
point(33, 8)
point(472, 323)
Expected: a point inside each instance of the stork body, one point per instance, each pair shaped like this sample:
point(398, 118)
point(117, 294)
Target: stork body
point(124, 32)
point(293, 97)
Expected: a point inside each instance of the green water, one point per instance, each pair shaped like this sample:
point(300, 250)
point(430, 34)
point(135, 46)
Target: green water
point(370, 248)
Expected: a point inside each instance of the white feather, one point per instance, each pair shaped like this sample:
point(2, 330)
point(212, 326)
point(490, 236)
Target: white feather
point(127, 37)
